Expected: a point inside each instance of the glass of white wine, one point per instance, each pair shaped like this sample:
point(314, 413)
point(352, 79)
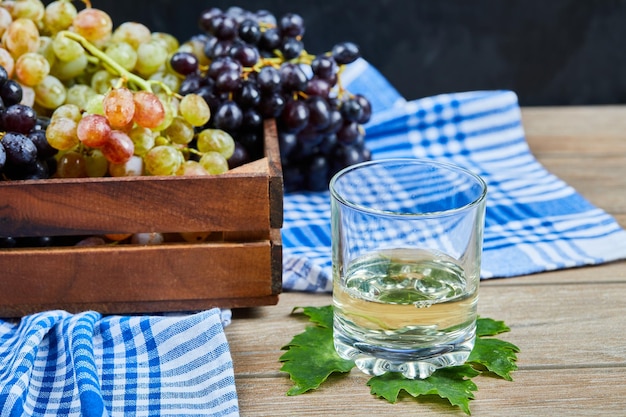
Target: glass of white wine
point(407, 239)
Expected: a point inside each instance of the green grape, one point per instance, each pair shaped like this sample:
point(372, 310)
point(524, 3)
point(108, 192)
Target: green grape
point(71, 164)
point(169, 41)
point(21, 36)
point(27, 9)
point(122, 53)
point(31, 68)
point(151, 56)
point(96, 165)
point(133, 33)
point(5, 20)
point(216, 140)
point(94, 104)
point(143, 138)
point(70, 111)
point(66, 49)
point(67, 70)
point(170, 105)
point(58, 16)
point(180, 131)
point(28, 96)
point(167, 78)
point(194, 109)
point(50, 93)
point(45, 49)
point(163, 160)
point(61, 133)
point(131, 168)
point(214, 163)
point(102, 81)
point(7, 61)
point(191, 168)
point(79, 95)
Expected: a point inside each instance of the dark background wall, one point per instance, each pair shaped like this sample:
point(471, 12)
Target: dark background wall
point(550, 52)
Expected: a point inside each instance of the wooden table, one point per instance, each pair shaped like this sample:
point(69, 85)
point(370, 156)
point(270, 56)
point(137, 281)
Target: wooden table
point(570, 325)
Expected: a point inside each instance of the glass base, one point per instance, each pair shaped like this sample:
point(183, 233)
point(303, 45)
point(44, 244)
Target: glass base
point(416, 363)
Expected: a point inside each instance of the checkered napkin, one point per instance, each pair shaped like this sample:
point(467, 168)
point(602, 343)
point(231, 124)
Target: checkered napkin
point(59, 364)
point(535, 222)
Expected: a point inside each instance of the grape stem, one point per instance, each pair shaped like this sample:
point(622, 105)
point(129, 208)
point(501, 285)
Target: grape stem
point(121, 71)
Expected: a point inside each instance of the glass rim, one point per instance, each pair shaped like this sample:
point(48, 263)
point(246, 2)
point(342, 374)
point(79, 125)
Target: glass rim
point(416, 161)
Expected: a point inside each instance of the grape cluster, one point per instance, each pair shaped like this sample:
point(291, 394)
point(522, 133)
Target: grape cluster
point(252, 66)
point(24, 150)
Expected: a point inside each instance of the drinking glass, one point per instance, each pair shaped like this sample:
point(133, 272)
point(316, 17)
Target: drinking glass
point(406, 248)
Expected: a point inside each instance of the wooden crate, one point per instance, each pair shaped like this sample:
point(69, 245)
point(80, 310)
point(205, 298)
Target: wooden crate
point(242, 268)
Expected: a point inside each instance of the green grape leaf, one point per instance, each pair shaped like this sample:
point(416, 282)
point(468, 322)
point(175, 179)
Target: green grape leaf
point(311, 357)
point(453, 384)
point(490, 327)
point(495, 355)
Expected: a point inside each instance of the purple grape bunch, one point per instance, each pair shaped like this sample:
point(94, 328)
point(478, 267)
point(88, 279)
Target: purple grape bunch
point(24, 150)
point(259, 69)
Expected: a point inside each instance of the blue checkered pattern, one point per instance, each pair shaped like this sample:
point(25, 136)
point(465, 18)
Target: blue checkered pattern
point(59, 364)
point(535, 222)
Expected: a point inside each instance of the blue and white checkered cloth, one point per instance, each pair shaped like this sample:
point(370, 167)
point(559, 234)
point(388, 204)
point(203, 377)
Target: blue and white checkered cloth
point(535, 222)
point(59, 364)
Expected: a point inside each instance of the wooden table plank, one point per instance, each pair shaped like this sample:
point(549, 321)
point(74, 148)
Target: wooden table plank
point(568, 323)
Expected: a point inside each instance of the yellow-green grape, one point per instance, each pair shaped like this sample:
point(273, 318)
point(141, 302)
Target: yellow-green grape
point(67, 70)
point(214, 163)
point(61, 133)
point(151, 238)
point(31, 69)
point(7, 61)
point(96, 165)
point(195, 237)
point(79, 95)
point(66, 49)
point(21, 36)
point(58, 16)
point(170, 105)
point(28, 96)
point(191, 168)
point(71, 165)
point(122, 53)
point(102, 81)
point(133, 33)
point(5, 20)
point(167, 78)
point(27, 9)
point(151, 56)
point(131, 168)
point(70, 111)
point(45, 49)
point(163, 160)
point(50, 93)
point(143, 138)
point(194, 109)
point(94, 104)
point(180, 131)
point(216, 140)
point(169, 41)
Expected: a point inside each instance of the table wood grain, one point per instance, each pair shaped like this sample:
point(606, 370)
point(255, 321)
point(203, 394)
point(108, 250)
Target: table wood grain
point(569, 324)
